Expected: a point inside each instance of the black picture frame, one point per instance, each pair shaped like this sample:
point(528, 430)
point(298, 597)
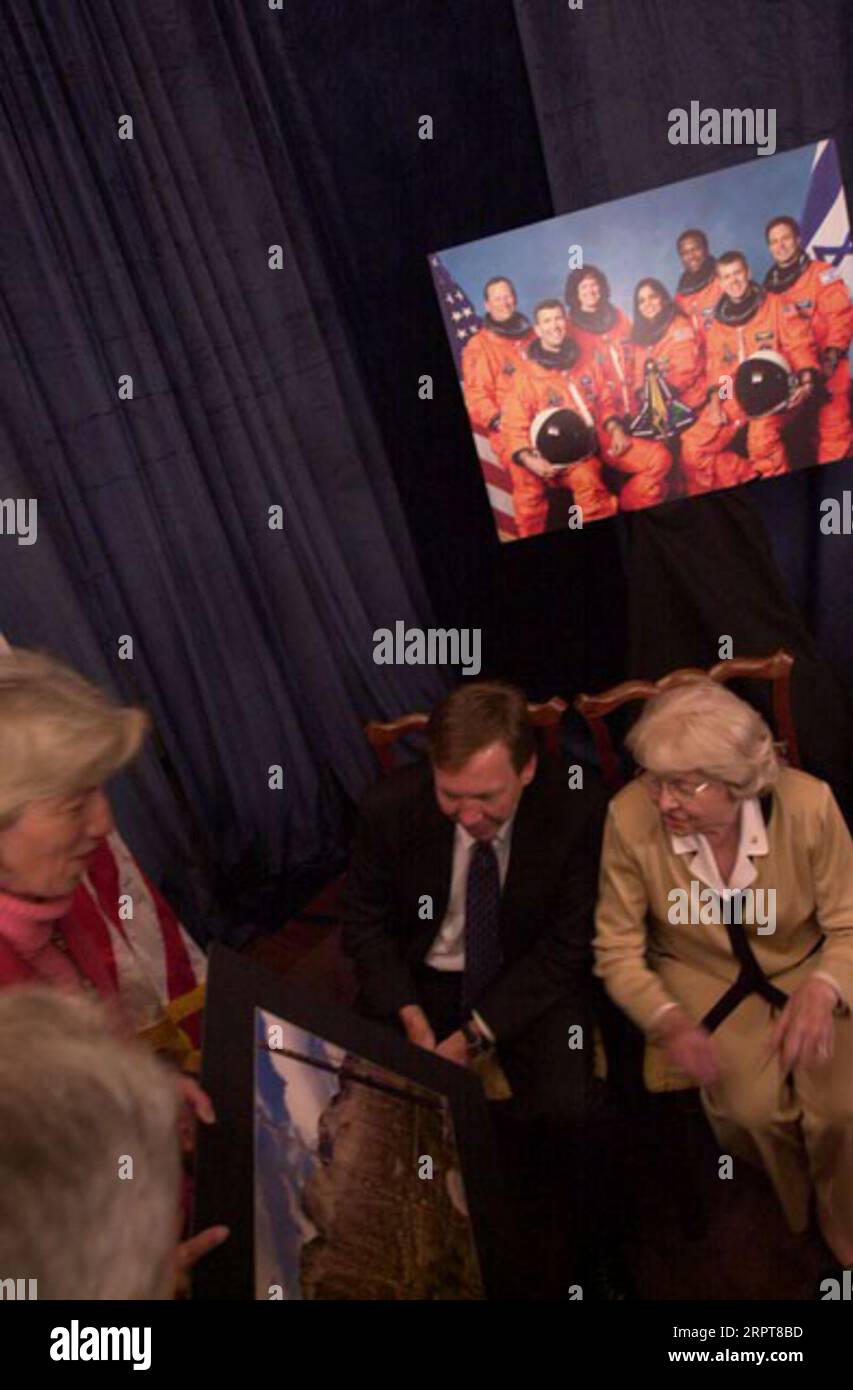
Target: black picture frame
point(225, 1173)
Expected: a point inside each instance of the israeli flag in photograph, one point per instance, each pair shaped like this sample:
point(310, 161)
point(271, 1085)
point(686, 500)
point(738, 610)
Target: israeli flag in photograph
point(825, 223)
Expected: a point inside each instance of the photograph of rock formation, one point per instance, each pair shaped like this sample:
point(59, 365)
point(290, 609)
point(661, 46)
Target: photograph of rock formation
point(358, 1183)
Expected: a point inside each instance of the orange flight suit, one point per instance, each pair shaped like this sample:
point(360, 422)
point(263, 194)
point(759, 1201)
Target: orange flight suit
point(585, 388)
point(706, 460)
point(700, 305)
point(608, 349)
point(489, 363)
point(679, 353)
point(820, 297)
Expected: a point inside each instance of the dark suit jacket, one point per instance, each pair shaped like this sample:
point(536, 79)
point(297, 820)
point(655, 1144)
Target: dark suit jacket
point(404, 850)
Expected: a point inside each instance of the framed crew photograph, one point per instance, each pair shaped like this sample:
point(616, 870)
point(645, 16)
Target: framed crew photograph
point(662, 346)
point(348, 1164)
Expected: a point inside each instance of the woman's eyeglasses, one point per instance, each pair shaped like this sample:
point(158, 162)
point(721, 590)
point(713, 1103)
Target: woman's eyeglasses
point(680, 788)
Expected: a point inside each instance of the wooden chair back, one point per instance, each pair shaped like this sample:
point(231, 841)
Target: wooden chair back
point(595, 709)
point(382, 737)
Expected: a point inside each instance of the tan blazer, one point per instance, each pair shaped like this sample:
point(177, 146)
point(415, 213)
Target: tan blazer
point(646, 960)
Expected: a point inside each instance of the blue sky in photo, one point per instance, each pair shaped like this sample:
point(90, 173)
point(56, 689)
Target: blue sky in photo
point(635, 236)
point(289, 1098)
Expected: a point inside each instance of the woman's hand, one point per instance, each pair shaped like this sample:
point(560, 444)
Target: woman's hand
point(189, 1252)
point(803, 1031)
point(689, 1048)
point(195, 1105)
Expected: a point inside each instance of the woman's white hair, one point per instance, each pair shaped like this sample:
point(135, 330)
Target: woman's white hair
point(77, 1101)
point(704, 728)
point(59, 734)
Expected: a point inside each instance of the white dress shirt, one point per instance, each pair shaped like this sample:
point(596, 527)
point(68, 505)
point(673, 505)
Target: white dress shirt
point(447, 951)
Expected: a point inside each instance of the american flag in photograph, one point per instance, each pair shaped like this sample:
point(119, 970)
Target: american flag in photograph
point(461, 321)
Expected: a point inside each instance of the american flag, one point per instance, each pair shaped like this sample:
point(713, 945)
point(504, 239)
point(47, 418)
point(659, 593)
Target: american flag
point(461, 321)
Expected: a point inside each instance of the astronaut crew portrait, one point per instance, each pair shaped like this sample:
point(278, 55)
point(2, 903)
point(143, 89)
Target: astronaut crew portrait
point(736, 370)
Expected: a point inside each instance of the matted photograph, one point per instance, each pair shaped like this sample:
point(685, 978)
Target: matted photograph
point(663, 346)
point(358, 1180)
point(347, 1163)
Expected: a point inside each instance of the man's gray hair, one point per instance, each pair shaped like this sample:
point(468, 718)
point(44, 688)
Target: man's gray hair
point(77, 1101)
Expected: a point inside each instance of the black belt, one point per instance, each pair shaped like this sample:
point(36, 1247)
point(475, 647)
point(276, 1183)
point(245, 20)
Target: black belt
point(751, 980)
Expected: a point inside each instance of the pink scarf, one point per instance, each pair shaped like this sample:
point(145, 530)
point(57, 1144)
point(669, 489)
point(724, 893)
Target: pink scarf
point(26, 929)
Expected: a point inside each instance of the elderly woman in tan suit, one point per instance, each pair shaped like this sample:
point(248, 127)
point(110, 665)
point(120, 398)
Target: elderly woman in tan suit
point(725, 931)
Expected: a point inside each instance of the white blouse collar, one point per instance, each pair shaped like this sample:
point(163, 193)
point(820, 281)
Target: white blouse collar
point(753, 841)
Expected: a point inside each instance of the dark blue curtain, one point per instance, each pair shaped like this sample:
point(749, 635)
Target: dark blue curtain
point(351, 79)
point(148, 257)
point(299, 387)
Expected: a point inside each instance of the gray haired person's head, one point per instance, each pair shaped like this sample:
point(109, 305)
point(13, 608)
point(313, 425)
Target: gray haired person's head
point(58, 732)
point(89, 1152)
point(703, 728)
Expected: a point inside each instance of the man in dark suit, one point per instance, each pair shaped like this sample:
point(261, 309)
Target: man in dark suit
point(468, 911)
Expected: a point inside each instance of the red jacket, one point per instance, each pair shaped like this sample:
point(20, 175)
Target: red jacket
point(152, 945)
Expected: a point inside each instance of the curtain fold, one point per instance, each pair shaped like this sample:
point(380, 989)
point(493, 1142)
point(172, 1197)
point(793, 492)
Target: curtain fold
point(148, 257)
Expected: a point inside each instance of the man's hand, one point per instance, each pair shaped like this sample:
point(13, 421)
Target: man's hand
point(416, 1024)
point(534, 463)
point(689, 1048)
point(803, 1031)
point(619, 441)
point(800, 394)
point(454, 1048)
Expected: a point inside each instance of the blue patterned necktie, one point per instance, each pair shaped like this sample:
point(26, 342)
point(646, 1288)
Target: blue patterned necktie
point(482, 908)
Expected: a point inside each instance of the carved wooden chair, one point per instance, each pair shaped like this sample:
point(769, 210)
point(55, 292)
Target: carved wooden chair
point(324, 908)
point(776, 669)
point(383, 737)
